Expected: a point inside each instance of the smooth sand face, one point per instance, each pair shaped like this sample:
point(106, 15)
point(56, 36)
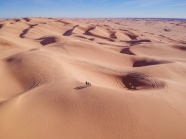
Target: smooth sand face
point(137, 69)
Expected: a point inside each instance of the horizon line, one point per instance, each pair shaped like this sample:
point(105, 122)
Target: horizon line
point(96, 17)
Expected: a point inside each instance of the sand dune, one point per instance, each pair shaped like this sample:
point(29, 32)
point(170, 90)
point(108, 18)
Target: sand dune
point(136, 67)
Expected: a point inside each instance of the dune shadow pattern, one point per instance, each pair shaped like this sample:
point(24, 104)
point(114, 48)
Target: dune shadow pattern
point(70, 31)
point(138, 81)
point(27, 19)
point(180, 47)
point(47, 40)
point(22, 35)
point(1, 26)
point(136, 42)
point(132, 36)
point(89, 33)
point(127, 51)
point(148, 62)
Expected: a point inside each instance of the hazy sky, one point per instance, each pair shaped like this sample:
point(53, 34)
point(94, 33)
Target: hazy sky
point(93, 8)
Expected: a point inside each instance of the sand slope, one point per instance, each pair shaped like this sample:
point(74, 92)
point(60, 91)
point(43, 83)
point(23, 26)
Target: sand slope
point(137, 69)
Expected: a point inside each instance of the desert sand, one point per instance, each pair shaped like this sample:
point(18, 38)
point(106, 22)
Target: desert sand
point(136, 67)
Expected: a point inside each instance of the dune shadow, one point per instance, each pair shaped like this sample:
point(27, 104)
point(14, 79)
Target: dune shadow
point(180, 47)
point(147, 62)
point(65, 23)
point(136, 42)
point(81, 87)
point(47, 40)
point(81, 37)
point(22, 35)
point(27, 19)
point(1, 26)
point(34, 49)
point(110, 44)
point(89, 33)
point(167, 29)
point(132, 36)
point(127, 51)
point(70, 31)
point(138, 81)
point(17, 20)
point(113, 35)
point(92, 39)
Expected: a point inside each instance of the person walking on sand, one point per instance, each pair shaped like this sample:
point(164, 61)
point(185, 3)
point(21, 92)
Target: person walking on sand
point(89, 84)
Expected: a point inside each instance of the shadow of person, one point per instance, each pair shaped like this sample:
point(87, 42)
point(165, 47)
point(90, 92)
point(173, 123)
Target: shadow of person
point(80, 87)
